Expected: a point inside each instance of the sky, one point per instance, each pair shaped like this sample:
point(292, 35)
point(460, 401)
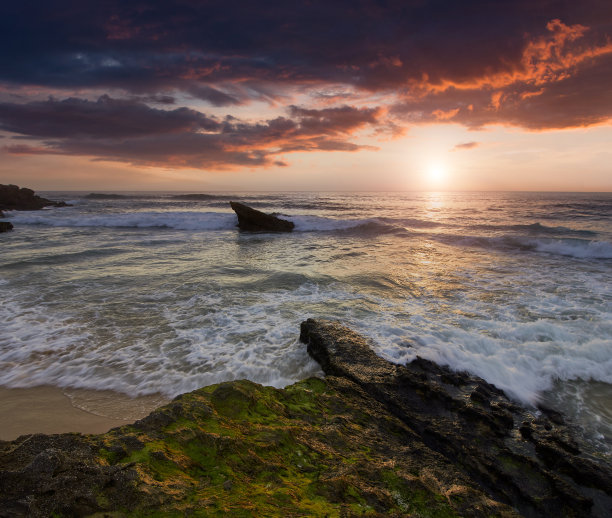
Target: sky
point(313, 95)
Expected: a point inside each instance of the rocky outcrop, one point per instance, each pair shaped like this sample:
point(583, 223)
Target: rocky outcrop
point(5, 226)
point(532, 463)
point(13, 197)
point(371, 439)
point(255, 220)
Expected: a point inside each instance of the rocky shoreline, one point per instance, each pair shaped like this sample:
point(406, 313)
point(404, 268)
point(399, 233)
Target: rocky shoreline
point(13, 197)
point(370, 439)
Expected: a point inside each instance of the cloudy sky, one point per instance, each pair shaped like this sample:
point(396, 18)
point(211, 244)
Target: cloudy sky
point(360, 94)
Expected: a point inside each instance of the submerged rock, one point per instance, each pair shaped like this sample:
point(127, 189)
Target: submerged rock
point(13, 197)
point(371, 439)
point(251, 219)
point(5, 226)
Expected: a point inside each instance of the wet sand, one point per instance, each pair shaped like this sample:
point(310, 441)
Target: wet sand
point(52, 410)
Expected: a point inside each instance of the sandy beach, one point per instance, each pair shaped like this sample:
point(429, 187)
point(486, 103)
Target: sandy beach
point(51, 410)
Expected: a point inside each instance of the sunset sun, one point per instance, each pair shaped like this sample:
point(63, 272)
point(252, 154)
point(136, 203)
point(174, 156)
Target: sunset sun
point(436, 173)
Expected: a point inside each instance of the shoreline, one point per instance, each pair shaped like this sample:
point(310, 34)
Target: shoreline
point(370, 438)
point(51, 410)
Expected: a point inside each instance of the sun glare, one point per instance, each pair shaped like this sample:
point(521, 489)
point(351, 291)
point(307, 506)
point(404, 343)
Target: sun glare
point(436, 173)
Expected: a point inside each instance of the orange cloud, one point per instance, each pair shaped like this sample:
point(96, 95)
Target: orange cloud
point(561, 80)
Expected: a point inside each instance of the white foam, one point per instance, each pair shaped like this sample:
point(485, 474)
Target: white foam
point(187, 220)
point(322, 224)
point(578, 248)
point(203, 340)
point(515, 359)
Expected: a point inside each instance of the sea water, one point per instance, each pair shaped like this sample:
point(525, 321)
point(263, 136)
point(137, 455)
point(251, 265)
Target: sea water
point(160, 293)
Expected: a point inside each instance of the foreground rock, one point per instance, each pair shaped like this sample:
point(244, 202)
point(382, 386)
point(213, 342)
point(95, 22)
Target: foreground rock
point(5, 226)
point(371, 439)
point(533, 464)
point(13, 197)
point(251, 219)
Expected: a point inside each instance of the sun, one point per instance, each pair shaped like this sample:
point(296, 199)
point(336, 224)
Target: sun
point(436, 173)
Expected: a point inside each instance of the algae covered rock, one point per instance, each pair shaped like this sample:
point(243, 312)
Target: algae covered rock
point(316, 448)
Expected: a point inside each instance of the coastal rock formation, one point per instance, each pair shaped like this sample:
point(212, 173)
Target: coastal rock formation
point(530, 462)
point(251, 219)
point(5, 226)
point(13, 197)
point(371, 439)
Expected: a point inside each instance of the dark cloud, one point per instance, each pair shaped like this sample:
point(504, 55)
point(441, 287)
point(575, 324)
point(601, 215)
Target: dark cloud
point(465, 145)
point(104, 118)
point(130, 131)
point(538, 65)
point(370, 44)
point(343, 119)
point(213, 96)
point(156, 99)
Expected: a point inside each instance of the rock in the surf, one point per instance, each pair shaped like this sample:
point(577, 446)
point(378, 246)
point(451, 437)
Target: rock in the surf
point(5, 226)
point(251, 219)
point(532, 462)
point(13, 197)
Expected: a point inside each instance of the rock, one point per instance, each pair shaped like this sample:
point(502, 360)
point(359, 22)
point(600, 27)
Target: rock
point(5, 226)
point(251, 219)
point(534, 465)
point(14, 198)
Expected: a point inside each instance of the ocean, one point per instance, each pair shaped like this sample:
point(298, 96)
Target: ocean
point(155, 294)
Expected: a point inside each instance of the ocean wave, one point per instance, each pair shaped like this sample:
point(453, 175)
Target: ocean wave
point(193, 220)
point(365, 226)
point(199, 197)
point(570, 247)
point(113, 196)
point(524, 359)
point(187, 220)
point(576, 248)
point(536, 228)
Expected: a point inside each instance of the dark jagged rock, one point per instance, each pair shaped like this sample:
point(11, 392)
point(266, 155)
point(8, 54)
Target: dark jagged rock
point(371, 439)
point(532, 464)
point(13, 197)
point(251, 219)
point(5, 226)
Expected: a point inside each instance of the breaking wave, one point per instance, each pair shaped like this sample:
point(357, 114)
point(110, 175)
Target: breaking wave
point(570, 247)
